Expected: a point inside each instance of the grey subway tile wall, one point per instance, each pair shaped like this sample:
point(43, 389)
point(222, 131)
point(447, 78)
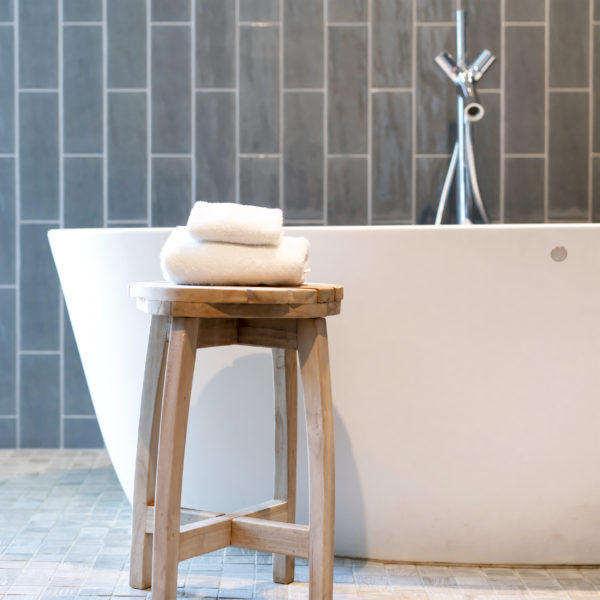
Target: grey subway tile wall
point(347, 191)
point(82, 89)
point(259, 181)
point(122, 113)
point(7, 221)
point(8, 355)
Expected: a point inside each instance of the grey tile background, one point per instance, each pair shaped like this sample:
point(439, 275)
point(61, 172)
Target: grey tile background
point(123, 112)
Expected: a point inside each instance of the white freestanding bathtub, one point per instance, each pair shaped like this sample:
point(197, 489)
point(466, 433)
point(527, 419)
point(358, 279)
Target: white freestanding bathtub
point(465, 382)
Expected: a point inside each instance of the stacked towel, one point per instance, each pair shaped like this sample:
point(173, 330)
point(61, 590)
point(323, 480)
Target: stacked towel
point(232, 244)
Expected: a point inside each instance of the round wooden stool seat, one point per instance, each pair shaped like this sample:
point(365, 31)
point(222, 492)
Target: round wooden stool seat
point(185, 318)
point(308, 301)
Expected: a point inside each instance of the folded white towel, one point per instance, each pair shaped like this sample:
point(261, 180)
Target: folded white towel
point(185, 260)
point(236, 223)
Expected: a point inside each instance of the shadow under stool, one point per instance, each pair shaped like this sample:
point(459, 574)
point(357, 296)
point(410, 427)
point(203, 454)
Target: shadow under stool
point(291, 321)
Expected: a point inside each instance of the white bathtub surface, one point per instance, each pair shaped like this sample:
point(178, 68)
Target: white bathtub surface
point(465, 380)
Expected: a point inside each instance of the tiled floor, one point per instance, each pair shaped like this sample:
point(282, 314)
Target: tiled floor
point(64, 533)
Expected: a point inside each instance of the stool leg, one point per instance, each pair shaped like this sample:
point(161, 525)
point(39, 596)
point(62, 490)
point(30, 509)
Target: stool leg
point(140, 571)
point(285, 370)
point(176, 400)
point(314, 367)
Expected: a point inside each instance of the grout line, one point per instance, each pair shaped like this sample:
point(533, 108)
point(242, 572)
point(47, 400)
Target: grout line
point(171, 154)
point(523, 155)
point(193, 103)
point(214, 89)
point(556, 90)
point(325, 112)
point(104, 116)
point(490, 90)
point(237, 101)
point(40, 221)
point(15, 416)
point(127, 221)
point(8, 286)
point(390, 90)
point(349, 155)
point(126, 90)
point(40, 353)
point(61, 205)
point(546, 106)
point(300, 90)
point(348, 24)
point(596, 154)
point(413, 168)
point(38, 90)
point(168, 23)
point(432, 155)
point(432, 23)
point(7, 155)
point(17, 229)
point(82, 23)
point(258, 23)
point(369, 113)
point(281, 110)
point(80, 417)
point(502, 190)
point(524, 23)
point(148, 114)
point(591, 116)
point(259, 155)
point(82, 155)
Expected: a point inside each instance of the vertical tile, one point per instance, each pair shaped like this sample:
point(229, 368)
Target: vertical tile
point(524, 190)
point(524, 111)
point(7, 91)
point(8, 433)
point(486, 144)
point(596, 90)
point(568, 156)
point(215, 43)
point(430, 175)
point(347, 85)
point(7, 10)
point(8, 350)
point(259, 89)
point(82, 433)
point(83, 197)
point(347, 191)
point(38, 155)
point(7, 221)
point(127, 147)
point(436, 96)
point(171, 10)
point(348, 10)
point(171, 89)
point(82, 10)
point(392, 43)
point(82, 89)
point(392, 157)
point(596, 10)
point(303, 43)
point(259, 181)
point(39, 293)
point(171, 191)
point(483, 22)
point(303, 155)
point(525, 10)
point(436, 10)
point(259, 10)
point(77, 399)
point(596, 189)
point(40, 410)
point(569, 43)
point(215, 146)
point(38, 43)
point(126, 40)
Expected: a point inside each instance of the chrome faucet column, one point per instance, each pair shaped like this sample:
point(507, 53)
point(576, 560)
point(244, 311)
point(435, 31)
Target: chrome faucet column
point(469, 110)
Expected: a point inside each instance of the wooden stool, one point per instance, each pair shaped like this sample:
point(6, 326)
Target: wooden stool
point(184, 318)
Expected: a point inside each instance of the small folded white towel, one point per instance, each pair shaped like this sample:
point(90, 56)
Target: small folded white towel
point(184, 260)
point(236, 223)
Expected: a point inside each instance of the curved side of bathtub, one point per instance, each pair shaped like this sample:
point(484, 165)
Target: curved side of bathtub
point(463, 368)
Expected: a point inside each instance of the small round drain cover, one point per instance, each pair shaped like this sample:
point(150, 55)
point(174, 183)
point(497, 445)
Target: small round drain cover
point(559, 253)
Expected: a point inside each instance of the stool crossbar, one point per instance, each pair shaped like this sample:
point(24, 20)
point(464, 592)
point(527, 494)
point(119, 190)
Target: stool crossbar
point(291, 321)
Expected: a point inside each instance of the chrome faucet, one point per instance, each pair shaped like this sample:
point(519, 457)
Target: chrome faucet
point(469, 110)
